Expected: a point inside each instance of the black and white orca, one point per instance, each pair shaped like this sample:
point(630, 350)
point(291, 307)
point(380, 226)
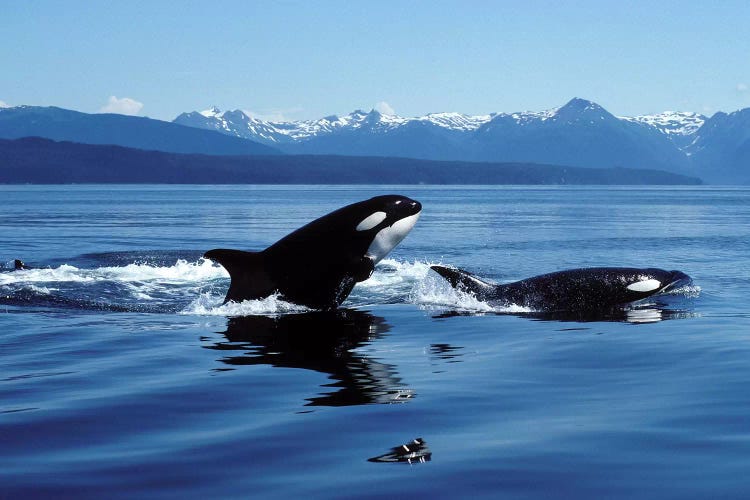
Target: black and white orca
point(588, 289)
point(20, 265)
point(14, 265)
point(318, 264)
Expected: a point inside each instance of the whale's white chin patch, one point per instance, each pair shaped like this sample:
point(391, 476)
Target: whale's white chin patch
point(645, 286)
point(388, 237)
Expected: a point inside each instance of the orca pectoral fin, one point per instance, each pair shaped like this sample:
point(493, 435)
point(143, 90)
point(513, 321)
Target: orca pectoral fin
point(250, 278)
point(363, 269)
point(463, 280)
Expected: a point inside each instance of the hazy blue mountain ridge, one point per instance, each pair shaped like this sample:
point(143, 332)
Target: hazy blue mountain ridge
point(130, 131)
point(43, 161)
point(580, 133)
point(721, 148)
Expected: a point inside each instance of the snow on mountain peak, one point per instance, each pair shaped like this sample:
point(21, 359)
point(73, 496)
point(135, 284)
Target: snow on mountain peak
point(211, 112)
point(671, 122)
point(579, 104)
point(526, 117)
point(456, 121)
point(676, 125)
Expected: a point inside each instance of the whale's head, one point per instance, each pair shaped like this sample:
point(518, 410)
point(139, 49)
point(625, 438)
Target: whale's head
point(386, 220)
point(352, 239)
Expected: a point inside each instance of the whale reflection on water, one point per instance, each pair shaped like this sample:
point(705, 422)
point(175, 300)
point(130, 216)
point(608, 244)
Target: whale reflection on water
point(321, 341)
point(415, 451)
point(648, 314)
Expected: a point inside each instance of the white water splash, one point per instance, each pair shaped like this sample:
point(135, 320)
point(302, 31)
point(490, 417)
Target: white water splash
point(50, 275)
point(43, 290)
point(414, 283)
point(393, 282)
point(390, 272)
point(212, 305)
point(434, 292)
point(689, 291)
point(181, 272)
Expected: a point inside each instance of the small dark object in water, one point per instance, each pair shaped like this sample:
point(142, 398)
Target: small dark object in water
point(13, 265)
point(416, 451)
point(18, 265)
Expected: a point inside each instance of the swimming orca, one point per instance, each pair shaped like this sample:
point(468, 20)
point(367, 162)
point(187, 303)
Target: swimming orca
point(20, 265)
point(588, 289)
point(15, 265)
point(318, 264)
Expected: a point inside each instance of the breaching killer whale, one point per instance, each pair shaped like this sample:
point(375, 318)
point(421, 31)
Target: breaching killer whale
point(318, 264)
point(574, 290)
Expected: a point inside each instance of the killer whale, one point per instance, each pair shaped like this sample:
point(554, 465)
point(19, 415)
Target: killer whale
point(318, 264)
point(573, 290)
point(15, 265)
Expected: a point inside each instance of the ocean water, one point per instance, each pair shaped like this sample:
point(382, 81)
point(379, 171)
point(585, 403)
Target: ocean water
point(123, 375)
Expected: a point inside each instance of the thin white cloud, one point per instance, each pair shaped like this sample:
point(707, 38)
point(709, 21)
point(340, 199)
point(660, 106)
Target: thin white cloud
point(384, 108)
point(742, 87)
point(122, 106)
point(4, 104)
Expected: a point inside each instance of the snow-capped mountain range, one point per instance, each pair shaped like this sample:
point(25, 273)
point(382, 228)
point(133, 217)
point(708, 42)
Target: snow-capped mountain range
point(241, 124)
point(579, 133)
point(679, 123)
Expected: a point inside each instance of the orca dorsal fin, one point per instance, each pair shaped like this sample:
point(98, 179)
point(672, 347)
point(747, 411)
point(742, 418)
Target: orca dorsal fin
point(463, 280)
point(250, 279)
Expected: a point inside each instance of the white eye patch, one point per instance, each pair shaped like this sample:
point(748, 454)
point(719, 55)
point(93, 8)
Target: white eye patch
point(371, 221)
point(645, 285)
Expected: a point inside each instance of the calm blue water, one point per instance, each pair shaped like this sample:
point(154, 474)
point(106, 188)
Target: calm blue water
point(121, 375)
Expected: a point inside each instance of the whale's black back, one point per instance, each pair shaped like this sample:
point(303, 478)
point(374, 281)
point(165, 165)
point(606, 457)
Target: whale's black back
point(593, 288)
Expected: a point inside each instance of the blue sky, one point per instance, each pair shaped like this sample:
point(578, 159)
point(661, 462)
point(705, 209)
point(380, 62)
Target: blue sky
point(300, 60)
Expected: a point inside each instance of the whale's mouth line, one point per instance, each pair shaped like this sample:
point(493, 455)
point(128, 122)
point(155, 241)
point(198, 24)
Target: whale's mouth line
point(677, 283)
